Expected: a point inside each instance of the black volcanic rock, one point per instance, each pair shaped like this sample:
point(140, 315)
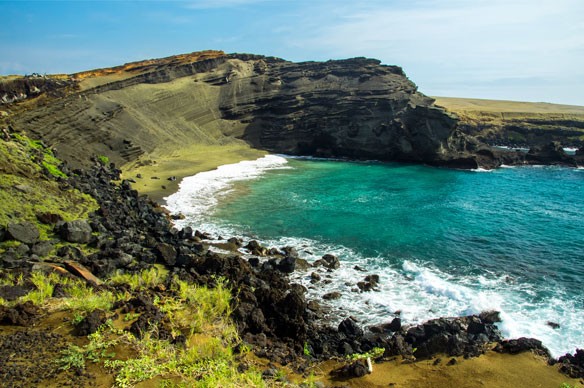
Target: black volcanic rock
point(354, 108)
point(551, 153)
point(25, 232)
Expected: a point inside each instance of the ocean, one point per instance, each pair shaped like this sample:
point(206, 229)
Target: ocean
point(443, 242)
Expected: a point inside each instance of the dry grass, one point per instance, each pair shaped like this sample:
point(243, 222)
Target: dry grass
point(501, 106)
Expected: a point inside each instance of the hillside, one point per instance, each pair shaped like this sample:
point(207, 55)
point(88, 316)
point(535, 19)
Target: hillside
point(515, 123)
point(155, 117)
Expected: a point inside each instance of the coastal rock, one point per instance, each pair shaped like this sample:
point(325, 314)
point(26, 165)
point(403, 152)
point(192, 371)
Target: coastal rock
point(357, 368)
point(349, 328)
point(25, 232)
point(78, 231)
point(551, 153)
point(464, 336)
point(331, 261)
point(255, 248)
point(490, 316)
point(573, 365)
point(331, 295)
point(519, 345)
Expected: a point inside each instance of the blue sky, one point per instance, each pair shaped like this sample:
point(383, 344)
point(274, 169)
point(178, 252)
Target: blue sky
point(528, 50)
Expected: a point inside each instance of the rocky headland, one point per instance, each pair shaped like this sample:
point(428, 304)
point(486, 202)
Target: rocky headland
point(356, 108)
point(129, 116)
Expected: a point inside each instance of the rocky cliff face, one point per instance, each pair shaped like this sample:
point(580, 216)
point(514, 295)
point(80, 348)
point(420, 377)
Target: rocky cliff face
point(354, 108)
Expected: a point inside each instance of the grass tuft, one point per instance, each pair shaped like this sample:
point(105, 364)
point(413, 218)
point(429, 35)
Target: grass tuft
point(148, 278)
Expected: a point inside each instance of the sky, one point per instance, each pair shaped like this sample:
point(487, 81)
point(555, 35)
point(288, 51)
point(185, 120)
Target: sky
point(524, 50)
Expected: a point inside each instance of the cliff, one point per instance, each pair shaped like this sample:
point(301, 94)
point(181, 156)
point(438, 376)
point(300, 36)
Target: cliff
point(518, 124)
point(354, 108)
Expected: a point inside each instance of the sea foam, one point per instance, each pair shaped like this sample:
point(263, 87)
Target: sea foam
point(199, 193)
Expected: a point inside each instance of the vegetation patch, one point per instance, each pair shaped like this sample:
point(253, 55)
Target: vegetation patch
point(198, 353)
point(25, 192)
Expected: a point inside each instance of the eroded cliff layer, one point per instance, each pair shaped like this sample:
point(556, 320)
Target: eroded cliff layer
point(353, 108)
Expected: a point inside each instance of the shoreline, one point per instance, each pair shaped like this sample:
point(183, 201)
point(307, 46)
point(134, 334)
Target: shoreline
point(491, 367)
point(162, 173)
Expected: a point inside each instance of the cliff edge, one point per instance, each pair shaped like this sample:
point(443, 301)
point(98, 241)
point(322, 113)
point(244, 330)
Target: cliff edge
point(356, 108)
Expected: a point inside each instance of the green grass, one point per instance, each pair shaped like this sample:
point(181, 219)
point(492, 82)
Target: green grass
point(44, 285)
point(85, 299)
point(146, 279)
point(26, 192)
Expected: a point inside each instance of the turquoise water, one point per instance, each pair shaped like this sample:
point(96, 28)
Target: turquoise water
point(444, 242)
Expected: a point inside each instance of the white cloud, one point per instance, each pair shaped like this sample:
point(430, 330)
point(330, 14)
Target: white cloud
point(440, 42)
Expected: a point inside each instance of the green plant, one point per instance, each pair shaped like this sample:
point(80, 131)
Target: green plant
point(44, 287)
point(77, 318)
point(53, 170)
point(96, 350)
point(310, 382)
point(566, 385)
point(148, 278)
point(85, 298)
point(104, 160)
point(306, 349)
point(72, 357)
point(130, 317)
point(373, 353)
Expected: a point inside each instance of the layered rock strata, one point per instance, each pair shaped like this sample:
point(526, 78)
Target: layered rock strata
point(355, 108)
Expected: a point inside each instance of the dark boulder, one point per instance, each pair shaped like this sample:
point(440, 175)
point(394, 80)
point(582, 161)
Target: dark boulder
point(349, 328)
point(90, 323)
point(520, 345)
point(331, 261)
point(24, 314)
point(331, 295)
point(42, 248)
point(10, 293)
point(573, 365)
point(25, 232)
point(357, 368)
point(78, 231)
point(255, 248)
point(49, 218)
point(290, 251)
point(490, 316)
point(287, 264)
point(463, 336)
point(166, 253)
point(551, 153)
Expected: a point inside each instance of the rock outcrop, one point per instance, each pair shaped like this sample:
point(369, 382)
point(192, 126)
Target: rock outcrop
point(355, 108)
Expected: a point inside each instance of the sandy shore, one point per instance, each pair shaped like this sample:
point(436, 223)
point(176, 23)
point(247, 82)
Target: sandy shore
point(490, 370)
point(181, 163)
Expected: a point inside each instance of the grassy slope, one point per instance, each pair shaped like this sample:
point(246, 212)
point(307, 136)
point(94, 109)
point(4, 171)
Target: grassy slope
point(522, 123)
point(501, 106)
point(26, 189)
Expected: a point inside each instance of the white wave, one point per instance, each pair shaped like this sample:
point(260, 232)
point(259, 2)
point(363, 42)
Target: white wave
point(480, 169)
point(199, 193)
